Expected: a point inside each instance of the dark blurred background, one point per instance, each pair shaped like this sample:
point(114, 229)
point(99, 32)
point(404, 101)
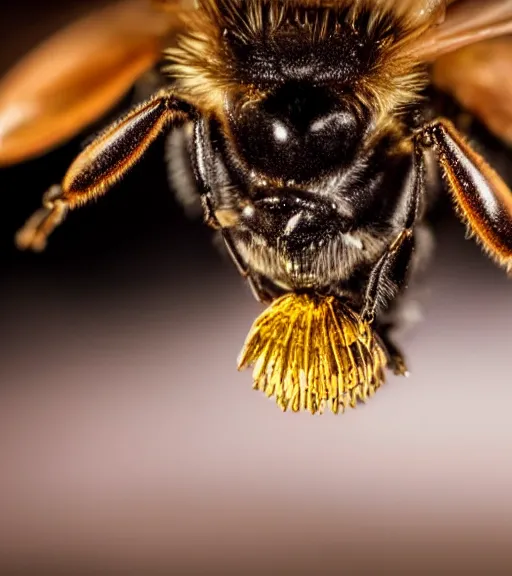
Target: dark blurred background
point(129, 444)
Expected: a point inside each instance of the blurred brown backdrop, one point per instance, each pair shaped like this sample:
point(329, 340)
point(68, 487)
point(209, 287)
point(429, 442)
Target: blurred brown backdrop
point(129, 444)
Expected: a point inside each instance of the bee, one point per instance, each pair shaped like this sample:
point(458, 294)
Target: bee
point(305, 130)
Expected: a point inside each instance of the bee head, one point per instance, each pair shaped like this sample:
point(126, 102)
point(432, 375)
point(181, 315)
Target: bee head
point(299, 99)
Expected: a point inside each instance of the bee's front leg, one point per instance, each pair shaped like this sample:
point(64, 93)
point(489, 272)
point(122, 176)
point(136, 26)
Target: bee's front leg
point(391, 272)
point(481, 197)
point(256, 283)
point(103, 163)
point(387, 278)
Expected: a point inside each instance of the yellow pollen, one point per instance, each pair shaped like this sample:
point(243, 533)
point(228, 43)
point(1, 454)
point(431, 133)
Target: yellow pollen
point(311, 351)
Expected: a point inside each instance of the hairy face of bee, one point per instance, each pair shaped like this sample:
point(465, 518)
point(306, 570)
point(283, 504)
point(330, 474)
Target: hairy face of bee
point(297, 146)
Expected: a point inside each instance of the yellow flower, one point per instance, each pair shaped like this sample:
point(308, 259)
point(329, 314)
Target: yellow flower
point(309, 351)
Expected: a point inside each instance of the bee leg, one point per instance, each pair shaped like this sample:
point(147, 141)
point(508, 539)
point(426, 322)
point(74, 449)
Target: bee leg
point(390, 273)
point(387, 278)
point(235, 255)
point(481, 197)
point(405, 311)
point(103, 163)
point(259, 291)
point(256, 284)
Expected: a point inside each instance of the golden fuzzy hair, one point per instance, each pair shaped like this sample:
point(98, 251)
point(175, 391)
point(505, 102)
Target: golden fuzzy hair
point(202, 63)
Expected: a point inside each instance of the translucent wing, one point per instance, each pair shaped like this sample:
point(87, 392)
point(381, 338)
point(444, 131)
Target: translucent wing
point(466, 22)
point(472, 59)
point(80, 73)
point(480, 78)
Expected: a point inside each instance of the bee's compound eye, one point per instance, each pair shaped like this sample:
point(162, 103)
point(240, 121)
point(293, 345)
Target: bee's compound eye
point(297, 133)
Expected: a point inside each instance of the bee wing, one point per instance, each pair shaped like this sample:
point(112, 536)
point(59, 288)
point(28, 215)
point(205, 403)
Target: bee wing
point(466, 22)
point(480, 78)
point(78, 74)
point(471, 58)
